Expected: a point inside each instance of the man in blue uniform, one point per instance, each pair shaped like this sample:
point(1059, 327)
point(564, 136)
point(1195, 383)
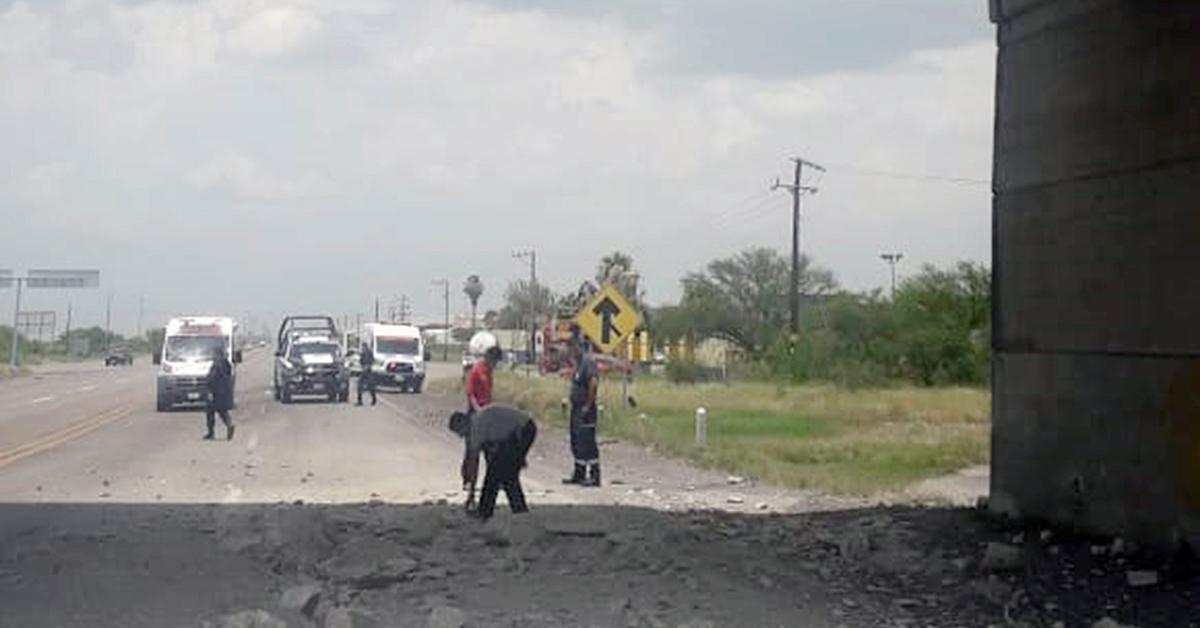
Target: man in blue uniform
point(584, 386)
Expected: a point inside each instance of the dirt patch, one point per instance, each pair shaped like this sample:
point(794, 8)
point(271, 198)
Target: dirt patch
point(386, 565)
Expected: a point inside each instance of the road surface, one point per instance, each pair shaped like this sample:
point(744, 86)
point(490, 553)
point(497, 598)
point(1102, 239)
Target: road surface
point(113, 514)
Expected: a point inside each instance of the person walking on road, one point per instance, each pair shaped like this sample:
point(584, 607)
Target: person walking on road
point(366, 379)
point(220, 394)
point(584, 386)
point(503, 434)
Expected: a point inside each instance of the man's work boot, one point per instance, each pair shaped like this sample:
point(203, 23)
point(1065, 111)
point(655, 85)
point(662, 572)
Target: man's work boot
point(593, 478)
point(209, 435)
point(229, 432)
point(579, 476)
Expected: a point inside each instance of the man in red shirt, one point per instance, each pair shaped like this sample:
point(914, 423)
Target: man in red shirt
point(479, 394)
point(479, 380)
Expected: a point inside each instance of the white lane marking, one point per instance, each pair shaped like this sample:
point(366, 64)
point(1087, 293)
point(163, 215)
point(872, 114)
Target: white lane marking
point(43, 399)
point(86, 388)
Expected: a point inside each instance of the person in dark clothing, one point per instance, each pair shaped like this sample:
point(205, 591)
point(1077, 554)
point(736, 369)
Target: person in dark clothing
point(220, 394)
point(584, 385)
point(504, 435)
point(366, 379)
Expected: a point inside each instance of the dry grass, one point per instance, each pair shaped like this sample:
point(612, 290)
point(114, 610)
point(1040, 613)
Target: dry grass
point(7, 372)
point(812, 436)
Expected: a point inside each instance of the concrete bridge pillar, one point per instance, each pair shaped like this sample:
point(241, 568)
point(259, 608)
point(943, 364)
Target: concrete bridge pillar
point(1096, 220)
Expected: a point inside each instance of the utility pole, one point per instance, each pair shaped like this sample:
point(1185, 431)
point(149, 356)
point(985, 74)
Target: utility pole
point(445, 284)
point(797, 190)
point(530, 256)
point(376, 309)
point(892, 259)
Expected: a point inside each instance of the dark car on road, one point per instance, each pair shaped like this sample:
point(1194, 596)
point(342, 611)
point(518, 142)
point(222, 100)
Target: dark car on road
point(118, 356)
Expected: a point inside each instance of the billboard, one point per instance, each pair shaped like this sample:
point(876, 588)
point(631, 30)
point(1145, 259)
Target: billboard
point(6, 279)
point(37, 324)
point(63, 279)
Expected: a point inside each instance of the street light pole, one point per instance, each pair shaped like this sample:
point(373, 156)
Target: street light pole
point(108, 322)
point(892, 259)
point(15, 352)
point(67, 335)
point(445, 284)
point(531, 256)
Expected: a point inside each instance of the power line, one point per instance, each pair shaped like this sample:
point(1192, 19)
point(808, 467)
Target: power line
point(867, 172)
point(745, 209)
point(746, 215)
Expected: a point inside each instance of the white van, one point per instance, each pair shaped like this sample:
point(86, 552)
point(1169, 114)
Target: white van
point(186, 356)
point(400, 355)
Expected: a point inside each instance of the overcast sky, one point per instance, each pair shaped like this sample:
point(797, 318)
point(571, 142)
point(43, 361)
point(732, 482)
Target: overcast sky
point(271, 156)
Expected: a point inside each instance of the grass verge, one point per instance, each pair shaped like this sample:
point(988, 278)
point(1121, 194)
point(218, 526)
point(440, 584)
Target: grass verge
point(812, 436)
point(7, 372)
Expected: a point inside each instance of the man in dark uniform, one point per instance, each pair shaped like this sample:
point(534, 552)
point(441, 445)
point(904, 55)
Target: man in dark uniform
point(220, 394)
point(366, 379)
point(584, 385)
point(504, 435)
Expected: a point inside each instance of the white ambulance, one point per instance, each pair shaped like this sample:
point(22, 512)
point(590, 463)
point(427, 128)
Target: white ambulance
point(186, 356)
point(400, 355)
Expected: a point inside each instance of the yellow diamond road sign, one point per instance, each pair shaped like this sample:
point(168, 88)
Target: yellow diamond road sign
point(608, 319)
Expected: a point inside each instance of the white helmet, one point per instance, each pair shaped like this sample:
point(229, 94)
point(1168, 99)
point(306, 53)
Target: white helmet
point(481, 342)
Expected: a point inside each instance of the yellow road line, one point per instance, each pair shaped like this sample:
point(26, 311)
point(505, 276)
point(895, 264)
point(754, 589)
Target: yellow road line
point(62, 436)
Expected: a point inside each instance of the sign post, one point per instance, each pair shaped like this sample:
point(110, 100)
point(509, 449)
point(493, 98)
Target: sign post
point(610, 322)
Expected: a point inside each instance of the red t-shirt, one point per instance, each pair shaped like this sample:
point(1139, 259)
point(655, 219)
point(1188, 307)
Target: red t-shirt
point(479, 384)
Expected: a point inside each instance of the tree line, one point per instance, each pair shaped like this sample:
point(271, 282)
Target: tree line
point(935, 330)
point(85, 342)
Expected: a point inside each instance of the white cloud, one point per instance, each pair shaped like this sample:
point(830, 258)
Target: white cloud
point(21, 30)
point(275, 31)
point(245, 180)
point(182, 38)
point(490, 129)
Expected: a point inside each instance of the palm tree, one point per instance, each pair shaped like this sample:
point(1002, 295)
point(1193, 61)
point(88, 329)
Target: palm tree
point(613, 268)
point(616, 268)
point(473, 288)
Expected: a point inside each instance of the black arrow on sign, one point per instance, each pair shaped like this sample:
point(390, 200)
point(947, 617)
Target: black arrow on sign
point(607, 311)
